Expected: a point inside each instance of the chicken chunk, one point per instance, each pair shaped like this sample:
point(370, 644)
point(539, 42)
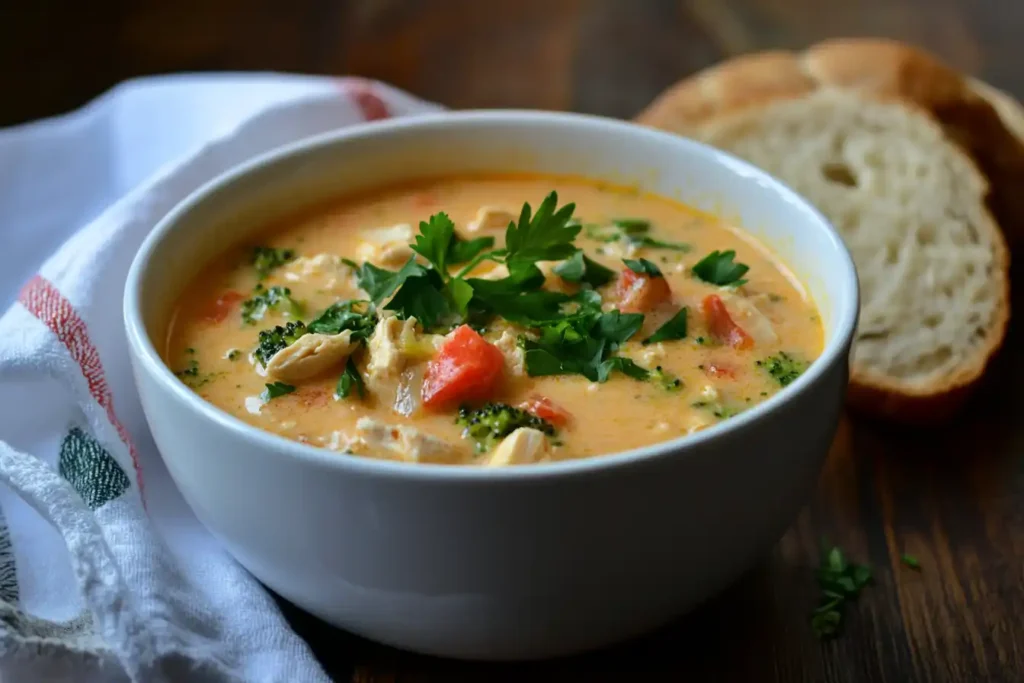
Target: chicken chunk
point(311, 355)
point(386, 246)
point(490, 218)
point(325, 271)
point(515, 357)
point(389, 347)
point(523, 446)
point(400, 442)
point(750, 318)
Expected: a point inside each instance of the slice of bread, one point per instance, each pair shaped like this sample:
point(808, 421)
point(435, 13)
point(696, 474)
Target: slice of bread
point(852, 125)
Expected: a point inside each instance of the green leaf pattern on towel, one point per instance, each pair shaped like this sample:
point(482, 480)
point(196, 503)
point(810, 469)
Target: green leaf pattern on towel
point(93, 472)
point(8, 573)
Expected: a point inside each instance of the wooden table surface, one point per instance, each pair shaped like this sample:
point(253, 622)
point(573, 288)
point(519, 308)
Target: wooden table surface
point(952, 496)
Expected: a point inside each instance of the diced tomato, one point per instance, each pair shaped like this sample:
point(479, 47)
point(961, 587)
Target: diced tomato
point(546, 409)
point(721, 325)
point(720, 369)
point(466, 368)
point(640, 293)
point(222, 307)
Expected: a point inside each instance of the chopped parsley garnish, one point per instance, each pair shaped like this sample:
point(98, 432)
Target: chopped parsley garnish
point(583, 343)
point(439, 299)
point(547, 236)
point(276, 389)
point(718, 409)
point(632, 226)
point(263, 300)
point(666, 380)
point(840, 582)
point(273, 340)
point(718, 268)
point(192, 370)
point(783, 367)
point(634, 231)
point(642, 267)
point(488, 425)
point(462, 251)
point(355, 316)
point(380, 283)
point(233, 354)
point(910, 561)
point(674, 328)
point(580, 268)
point(350, 380)
point(266, 259)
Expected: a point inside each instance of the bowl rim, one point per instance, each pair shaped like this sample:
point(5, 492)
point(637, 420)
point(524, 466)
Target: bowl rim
point(149, 359)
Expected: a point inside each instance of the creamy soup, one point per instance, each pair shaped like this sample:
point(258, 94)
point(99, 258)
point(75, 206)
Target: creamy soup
point(445, 322)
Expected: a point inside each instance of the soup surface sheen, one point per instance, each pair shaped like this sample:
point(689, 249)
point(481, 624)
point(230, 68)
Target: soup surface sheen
point(565, 367)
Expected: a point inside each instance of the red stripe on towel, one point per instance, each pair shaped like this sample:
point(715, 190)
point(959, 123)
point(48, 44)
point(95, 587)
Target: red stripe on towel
point(45, 302)
point(364, 96)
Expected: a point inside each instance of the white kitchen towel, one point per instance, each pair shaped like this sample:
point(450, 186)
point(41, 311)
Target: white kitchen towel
point(105, 574)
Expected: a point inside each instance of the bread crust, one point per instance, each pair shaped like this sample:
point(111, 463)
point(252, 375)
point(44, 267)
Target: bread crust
point(979, 119)
point(878, 68)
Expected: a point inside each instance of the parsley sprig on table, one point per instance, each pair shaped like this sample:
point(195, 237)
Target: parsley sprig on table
point(841, 582)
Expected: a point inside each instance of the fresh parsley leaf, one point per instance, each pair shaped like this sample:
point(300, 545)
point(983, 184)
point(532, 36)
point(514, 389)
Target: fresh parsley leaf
point(264, 300)
point(267, 259)
point(632, 226)
point(433, 241)
point(350, 379)
point(461, 293)
point(718, 268)
point(621, 364)
point(583, 344)
point(580, 268)
point(652, 243)
point(379, 283)
point(674, 328)
point(354, 315)
point(616, 327)
point(642, 267)
point(910, 561)
point(599, 234)
point(547, 236)
point(463, 251)
point(634, 231)
point(518, 296)
point(424, 297)
point(275, 389)
point(525, 308)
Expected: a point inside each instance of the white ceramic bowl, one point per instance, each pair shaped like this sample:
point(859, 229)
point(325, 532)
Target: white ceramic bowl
point(526, 562)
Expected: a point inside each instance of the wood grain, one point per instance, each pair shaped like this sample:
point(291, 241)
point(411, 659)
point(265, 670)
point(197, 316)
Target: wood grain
point(954, 497)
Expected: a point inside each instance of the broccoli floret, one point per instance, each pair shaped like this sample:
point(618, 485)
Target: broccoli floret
point(783, 367)
point(263, 300)
point(277, 338)
point(492, 422)
point(266, 259)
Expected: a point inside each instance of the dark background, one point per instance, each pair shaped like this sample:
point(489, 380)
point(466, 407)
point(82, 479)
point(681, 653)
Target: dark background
point(952, 496)
point(598, 56)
